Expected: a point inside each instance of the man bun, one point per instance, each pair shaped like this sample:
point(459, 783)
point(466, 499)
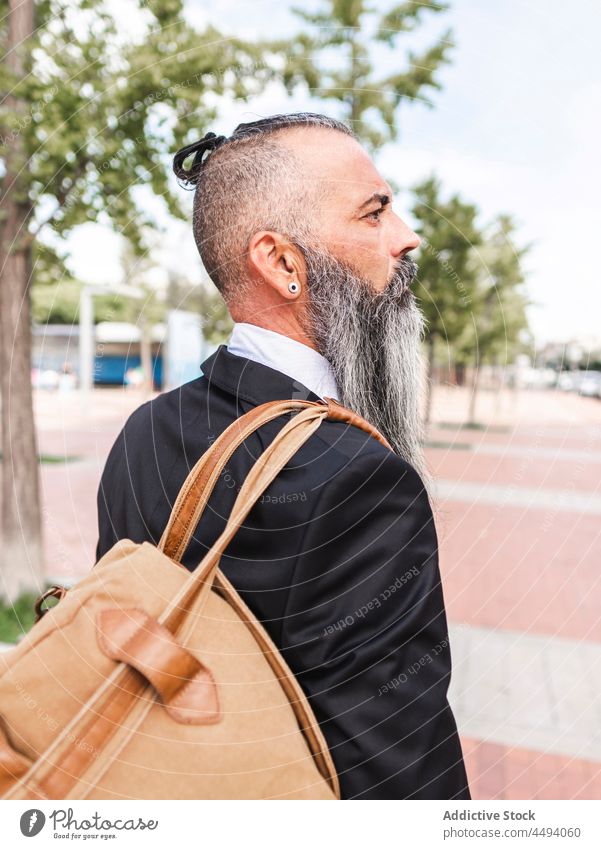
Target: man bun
point(188, 177)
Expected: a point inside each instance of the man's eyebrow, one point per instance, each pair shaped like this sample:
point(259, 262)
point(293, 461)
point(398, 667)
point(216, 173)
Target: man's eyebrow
point(382, 197)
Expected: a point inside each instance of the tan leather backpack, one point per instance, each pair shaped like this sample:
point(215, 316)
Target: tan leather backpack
point(148, 681)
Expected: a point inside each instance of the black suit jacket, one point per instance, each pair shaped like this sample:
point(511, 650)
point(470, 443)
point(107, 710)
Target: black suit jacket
point(338, 559)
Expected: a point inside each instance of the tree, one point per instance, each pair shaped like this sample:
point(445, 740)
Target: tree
point(447, 277)
point(89, 122)
point(499, 303)
point(21, 514)
point(358, 30)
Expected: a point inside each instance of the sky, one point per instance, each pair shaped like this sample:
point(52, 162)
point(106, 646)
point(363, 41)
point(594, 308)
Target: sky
point(515, 129)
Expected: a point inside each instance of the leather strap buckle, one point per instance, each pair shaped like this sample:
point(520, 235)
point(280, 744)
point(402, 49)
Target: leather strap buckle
point(187, 688)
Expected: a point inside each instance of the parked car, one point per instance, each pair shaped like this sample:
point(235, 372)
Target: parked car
point(590, 385)
point(571, 381)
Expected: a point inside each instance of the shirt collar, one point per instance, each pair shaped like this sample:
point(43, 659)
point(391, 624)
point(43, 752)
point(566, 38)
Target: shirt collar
point(252, 381)
point(299, 362)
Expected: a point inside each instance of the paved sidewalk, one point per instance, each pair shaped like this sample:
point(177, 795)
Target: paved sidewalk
point(545, 499)
point(527, 691)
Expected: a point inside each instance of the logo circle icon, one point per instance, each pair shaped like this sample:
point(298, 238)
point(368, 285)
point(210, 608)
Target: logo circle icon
point(32, 822)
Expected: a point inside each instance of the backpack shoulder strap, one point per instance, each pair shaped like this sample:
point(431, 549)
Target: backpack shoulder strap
point(198, 486)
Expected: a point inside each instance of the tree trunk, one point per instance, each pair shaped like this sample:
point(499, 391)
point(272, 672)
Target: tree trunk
point(429, 378)
point(498, 380)
point(471, 416)
point(21, 564)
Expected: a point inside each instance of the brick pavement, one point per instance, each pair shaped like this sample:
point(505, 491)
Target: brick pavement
point(496, 771)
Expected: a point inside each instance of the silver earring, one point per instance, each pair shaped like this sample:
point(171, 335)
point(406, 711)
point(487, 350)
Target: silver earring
point(293, 287)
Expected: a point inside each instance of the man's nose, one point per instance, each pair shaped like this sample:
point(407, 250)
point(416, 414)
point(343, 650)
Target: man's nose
point(405, 239)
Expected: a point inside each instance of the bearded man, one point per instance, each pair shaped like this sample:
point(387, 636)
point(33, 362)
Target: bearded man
point(338, 559)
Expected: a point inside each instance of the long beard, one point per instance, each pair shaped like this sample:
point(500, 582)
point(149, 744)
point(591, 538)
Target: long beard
point(372, 342)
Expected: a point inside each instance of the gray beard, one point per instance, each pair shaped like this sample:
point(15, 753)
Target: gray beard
point(372, 342)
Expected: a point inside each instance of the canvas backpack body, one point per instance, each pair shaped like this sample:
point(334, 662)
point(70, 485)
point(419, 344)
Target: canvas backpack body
point(148, 681)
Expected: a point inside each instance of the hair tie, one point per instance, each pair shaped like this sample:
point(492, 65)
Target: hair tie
point(190, 175)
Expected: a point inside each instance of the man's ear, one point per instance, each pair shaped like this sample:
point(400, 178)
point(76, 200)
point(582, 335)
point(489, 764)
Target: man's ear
point(276, 262)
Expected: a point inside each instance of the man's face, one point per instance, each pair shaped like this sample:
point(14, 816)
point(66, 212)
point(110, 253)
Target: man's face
point(355, 220)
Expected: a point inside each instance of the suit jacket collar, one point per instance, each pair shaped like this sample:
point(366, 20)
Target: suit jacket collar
point(252, 381)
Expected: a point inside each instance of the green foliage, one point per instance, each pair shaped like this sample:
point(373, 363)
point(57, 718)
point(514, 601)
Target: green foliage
point(217, 323)
point(49, 266)
point(335, 59)
point(499, 301)
point(447, 278)
point(59, 304)
point(470, 280)
point(470, 284)
point(105, 114)
point(16, 619)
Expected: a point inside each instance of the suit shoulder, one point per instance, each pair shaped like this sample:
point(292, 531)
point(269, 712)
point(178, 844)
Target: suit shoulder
point(360, 483)
point(183, 398)
point(180, 402)
point(357, 454)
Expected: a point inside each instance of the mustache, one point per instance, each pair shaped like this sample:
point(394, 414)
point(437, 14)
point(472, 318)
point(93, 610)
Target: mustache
point(403, 274)
point(375, 306)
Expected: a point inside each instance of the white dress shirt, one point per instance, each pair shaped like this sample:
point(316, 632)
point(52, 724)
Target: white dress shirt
point(279, 352)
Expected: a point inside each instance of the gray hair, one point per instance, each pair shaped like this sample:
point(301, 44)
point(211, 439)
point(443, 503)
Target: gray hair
point(249, 183)
point(372, 341)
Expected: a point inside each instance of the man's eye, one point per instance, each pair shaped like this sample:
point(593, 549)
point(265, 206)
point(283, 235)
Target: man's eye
point(375, 215)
